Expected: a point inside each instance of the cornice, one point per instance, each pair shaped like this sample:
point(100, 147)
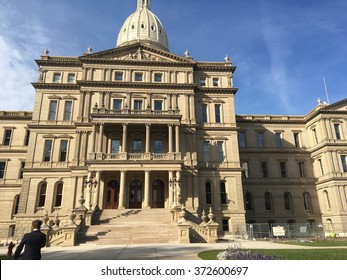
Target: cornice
point(215, 66)
point(16, 115)
point(58, 60)
point(270, 119)
point(216, 90)
point(55, 86)
point(135, 85)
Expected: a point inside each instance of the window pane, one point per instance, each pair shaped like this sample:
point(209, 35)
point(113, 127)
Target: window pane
point(158, 146)
point(202, 82)
point(223, 194)
point(138, 105)
point(288, 201)
point(42, 195)
point(248, 202)
point(242, 139)
point(204, 113)
point(279, 139)
point(56, 77)
point(137, 146)
point(337, 131)
point(158, 77)
point(58, 195)
point(208, 193)
point(206, 150)
point(264, 169)
point(27, 137)
point(63, 150)
point(244, 166)
point(118, 76)
point(297, 140)
point(7, 137)
point(260, 139)
point(268, 201)
point(67, 110)
point(115, 145)
point(158, 105)
point(220, 151)
point(344, 163)
point(217, 111)
point(2, 169)
point(52, 110)
point(302, 170)
point(71, 78)
point(138, 77)
point(47, 150)
point(117, 104)
point(215, 82)
point(283, 169)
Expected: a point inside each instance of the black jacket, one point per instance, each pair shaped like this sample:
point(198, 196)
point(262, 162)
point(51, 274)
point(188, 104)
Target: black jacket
point(33, 242)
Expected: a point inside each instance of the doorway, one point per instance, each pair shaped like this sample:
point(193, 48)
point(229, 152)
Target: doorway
point(158, 194)
point(135, 195)
point(112, 195)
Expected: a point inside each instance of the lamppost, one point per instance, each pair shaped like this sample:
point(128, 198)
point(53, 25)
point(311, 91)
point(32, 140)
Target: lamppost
point(90, 183)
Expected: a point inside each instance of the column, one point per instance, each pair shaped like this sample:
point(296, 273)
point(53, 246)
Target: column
point(93, 138)
point(122, 190)
point(170, 189)
point(101, 137)
point(124, 141)
point(196, 191)
point(148, 137)
point(97, 189)
point(186, 104)
point(77, 147)
point(170, 138)
point(192, 108)
point(177, 134)
point(147, 190)
point(87, 105)
point(178, 188)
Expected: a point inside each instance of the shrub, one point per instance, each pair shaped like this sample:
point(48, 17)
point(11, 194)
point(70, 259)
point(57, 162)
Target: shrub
point(236, 253)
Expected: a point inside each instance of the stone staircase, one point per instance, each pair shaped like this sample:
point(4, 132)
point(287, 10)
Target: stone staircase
point(139, 226)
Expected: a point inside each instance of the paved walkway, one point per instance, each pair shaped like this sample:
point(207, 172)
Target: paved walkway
point(151, 251)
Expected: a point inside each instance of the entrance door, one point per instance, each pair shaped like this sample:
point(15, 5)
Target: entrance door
point(135, 195)
point(112, 195)
point(158, 194)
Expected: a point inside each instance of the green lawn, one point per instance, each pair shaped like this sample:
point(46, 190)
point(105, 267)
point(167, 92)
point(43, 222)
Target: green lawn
point(290, 254)
point(317, 243)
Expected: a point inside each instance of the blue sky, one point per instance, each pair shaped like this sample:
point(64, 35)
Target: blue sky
point(282, 48)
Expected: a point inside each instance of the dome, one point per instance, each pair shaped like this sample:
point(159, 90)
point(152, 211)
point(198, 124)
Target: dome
point(143, 26)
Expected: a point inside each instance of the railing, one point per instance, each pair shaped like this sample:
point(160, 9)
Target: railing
point(97, 110)
point(219, 164)
point(135, 156)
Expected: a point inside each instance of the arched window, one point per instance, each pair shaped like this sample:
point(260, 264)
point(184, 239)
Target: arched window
point(42, 195)
point(16, 204)
point(307, 201)
point(208, 190)
point(223, 193)
point(268, 202)
point(249, 201)
point(58, 194)
point(326, 200)
point(288, 203)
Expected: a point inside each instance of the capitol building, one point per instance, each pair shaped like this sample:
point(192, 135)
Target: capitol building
point(138, 144)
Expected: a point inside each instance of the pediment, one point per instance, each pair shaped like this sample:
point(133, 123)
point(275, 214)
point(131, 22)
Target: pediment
point(137, 52)
point(337, 106)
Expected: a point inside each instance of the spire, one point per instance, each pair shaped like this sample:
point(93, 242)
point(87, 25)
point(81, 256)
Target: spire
point(143, 4)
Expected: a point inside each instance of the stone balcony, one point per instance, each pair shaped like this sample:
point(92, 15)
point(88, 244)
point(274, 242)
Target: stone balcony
point(135, 157)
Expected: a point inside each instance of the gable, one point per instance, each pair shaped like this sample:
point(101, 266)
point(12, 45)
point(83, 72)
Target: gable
point(337, 106)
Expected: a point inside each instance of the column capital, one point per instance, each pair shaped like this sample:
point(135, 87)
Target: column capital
point(125, 124)
point(148, 124)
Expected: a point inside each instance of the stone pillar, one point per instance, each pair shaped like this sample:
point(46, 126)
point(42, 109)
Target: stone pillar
point(147, 190)
point(122, 190)
point(124, 141)
point(177, 134)
point(192, 109)
point(170, 189)
point(97, 189)
point(93, 138)
point(101, 137)
point(170, 138)
point(148, 137)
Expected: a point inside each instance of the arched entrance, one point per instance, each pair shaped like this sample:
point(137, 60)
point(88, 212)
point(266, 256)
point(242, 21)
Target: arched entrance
point(158, 194)
point(112, 195)
point(135, 195)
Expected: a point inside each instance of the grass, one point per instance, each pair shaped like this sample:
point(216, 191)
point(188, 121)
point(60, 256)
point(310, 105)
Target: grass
point(317, 243)
point(5, 258)
point(290, 254)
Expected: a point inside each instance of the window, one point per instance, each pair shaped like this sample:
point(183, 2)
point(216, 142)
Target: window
point(158, 146)
point(307, 201)
point(2, 169)
point(288, 204)
point(138, 105)
point(137, 146)
point(115, 146)
point(7, 137)
point(16, 204)
point(204, 113)
point(158, 77)
point(260, 139)
point(283, 169)
point(249, 201)
point(117, 104)
point(158, 105)
point(22, 166)
point(268, 201)
point(297, 139)
point(27, 137)
point(138, 76)
point(245, 172)
point(264, 172)
point(315, 138)
point(337, 131)
point(118, 76)
point(344, 163)
point(58, 195)
point(47, 150)
point(302, 172)
point(242, 139)
point(202, 82)
point(63, 150)
point(279, 139)
point(217, 108)
point(52, 110)
point(71, 78)
point(208, 191)
point(56, 77)
point(67, 110)
point(206, 150)
point(11, 230)
point(220, 150)
point(223, 193)
point(326, 200)
point(321, 167)
point(215, 82)
point(42, 195)
point(225, 223)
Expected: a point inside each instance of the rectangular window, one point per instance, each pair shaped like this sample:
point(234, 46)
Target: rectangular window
point(245, 172)
point(223, 193)
point(202, 82)
point(47, 150)
point(260, 139)
point(206, 150)
point(115, 146)
point(321, 167)
point(264, 169)
point(204, 113)
point(67, 110)
point(71, 78)
point(242, 139)
point(7, 137)
point(52, 110)
point(158, 146)
point(138, 76)
point(344, 163)
point(2, 169)
point(337, 131)
point(315, 138)
point(279, 139)
point(158, 77)
point(225, 223)
point(297, 139)
point(117, 104)
point(63, 150)
point(302, 171)
point(220, 150)
point(137, 146)
point(158, 105)
point(138, 105)
point(22, 165)
point(27, 137)
point(56, 77)
point(283, 169)
point(215, 82)
point(217, 108)
point(118, 76)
